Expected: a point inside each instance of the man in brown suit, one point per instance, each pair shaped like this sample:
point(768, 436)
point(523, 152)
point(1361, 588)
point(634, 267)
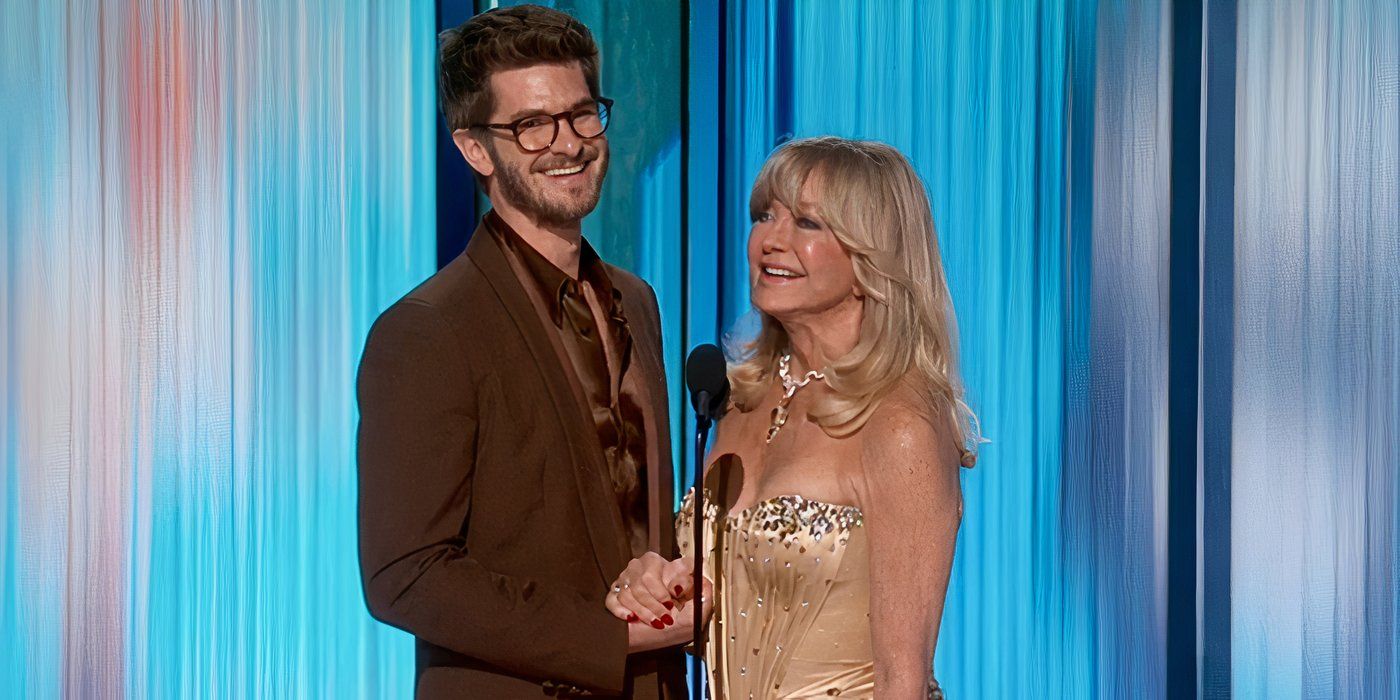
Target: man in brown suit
point(513, 447)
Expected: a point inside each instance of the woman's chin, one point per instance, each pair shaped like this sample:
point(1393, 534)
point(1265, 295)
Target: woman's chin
point(777, 309)
point(801, 309)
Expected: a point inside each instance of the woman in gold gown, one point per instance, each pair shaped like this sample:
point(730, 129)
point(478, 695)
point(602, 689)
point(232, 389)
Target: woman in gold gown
point(832, 492)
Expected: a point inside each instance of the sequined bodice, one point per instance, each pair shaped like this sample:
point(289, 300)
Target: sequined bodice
point(792, 599)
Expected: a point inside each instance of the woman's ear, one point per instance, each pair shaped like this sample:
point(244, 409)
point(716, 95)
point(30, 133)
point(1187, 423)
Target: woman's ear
point(474, 151)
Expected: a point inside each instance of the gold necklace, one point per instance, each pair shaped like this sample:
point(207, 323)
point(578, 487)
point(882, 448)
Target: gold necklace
point(790, 387)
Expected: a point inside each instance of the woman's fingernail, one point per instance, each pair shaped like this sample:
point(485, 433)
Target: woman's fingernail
point(668, 621)
point(657, 624)
point(669, 604)
point(679, 590)
point(633, 618)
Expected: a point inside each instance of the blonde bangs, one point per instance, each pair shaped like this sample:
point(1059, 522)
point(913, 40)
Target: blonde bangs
point(781, 180)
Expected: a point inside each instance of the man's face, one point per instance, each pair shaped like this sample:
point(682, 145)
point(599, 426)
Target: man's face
point(561, 184)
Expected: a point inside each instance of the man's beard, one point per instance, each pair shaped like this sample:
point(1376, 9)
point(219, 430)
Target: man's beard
point(552, 207)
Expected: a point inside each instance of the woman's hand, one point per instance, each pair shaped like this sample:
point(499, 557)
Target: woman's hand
point(651, 588)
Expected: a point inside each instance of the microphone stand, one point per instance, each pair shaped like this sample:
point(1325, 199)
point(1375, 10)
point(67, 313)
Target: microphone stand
point(703, 421)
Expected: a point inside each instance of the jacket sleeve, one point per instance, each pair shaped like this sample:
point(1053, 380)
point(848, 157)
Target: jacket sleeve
point(417, 452)
point(670, 547)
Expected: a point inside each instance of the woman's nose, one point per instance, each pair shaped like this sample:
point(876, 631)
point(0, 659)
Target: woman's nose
point(775, 236)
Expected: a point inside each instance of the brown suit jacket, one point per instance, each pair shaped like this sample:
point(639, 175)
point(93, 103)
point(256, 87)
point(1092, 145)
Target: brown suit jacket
point(488, 525)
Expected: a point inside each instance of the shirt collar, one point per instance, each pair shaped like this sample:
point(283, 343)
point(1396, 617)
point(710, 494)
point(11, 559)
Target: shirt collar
point(548, 278)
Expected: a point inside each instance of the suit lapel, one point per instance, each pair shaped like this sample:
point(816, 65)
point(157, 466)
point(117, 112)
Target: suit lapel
point(605, 528)
point(651, 378)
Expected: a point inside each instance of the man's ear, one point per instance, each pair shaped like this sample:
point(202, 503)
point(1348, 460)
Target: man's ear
point(474, 151)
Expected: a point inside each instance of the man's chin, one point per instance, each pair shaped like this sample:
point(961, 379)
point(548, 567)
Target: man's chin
point(560, 213)
point(575, 207)
point(573, 215)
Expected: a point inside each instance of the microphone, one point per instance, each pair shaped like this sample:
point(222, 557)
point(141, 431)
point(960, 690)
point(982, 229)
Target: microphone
point(708, 381)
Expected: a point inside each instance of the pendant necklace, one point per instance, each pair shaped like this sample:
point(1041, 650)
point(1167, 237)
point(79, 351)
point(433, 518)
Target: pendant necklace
point(790, 387)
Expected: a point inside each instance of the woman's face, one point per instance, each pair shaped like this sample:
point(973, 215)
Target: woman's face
point(797, 268)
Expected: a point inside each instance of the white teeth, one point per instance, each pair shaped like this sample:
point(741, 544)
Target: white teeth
point(566, 171)
point(779, 272)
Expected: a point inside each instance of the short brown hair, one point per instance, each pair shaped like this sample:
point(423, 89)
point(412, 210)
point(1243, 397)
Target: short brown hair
point(501, 39)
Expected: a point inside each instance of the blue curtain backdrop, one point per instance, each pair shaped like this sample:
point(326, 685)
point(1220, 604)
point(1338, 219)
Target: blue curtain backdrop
point(1316, 351)
point(206, 204)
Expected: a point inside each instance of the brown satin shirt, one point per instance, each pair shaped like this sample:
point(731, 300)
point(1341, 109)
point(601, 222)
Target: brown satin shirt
point(576, 309)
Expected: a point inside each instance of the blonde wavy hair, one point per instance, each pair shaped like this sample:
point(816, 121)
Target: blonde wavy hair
point(875, 204)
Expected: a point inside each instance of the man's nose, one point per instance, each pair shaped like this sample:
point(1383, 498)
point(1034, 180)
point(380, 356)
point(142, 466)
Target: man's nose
point(567, 142)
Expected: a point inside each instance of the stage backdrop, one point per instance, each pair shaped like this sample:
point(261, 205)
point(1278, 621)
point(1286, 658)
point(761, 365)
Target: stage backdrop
point(1314, 442)
point(205, 206)
point(1172, 232)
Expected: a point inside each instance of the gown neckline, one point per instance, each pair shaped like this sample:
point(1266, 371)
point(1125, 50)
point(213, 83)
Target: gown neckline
point(739, 514)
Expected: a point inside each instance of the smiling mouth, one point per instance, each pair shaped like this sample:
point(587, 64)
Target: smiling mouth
point(566, 171)
point(780, 273)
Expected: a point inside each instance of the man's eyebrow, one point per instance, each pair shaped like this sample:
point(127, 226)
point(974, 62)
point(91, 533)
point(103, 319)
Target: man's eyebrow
point(522, 114)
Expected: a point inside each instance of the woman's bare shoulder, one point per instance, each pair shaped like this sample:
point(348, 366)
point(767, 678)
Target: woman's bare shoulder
point(904, 430)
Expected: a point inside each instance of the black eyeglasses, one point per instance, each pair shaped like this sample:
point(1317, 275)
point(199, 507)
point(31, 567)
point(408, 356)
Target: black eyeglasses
point(537, 132)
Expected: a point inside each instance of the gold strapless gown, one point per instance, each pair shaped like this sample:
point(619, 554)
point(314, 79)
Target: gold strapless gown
point(792, 600)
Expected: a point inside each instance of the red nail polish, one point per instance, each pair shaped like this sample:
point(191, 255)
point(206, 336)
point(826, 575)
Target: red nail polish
point(657, 624)
point(633, 618)
point(679, 590)
point(668, 621)
point(669, 605)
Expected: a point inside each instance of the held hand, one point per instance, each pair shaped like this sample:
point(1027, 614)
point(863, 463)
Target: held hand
point(642, 637)
point(640, 594)
point(649, 585)
point(679, 578)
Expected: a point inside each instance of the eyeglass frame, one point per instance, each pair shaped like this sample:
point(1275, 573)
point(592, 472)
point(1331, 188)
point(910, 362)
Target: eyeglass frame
point(555, 118)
